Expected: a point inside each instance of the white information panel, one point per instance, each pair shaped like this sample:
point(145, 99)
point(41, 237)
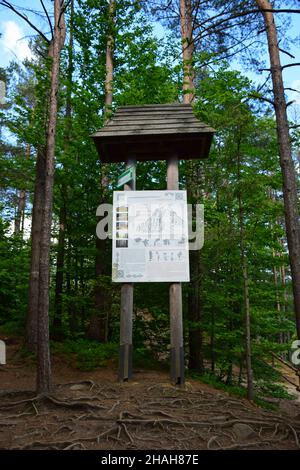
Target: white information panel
point(150, 237)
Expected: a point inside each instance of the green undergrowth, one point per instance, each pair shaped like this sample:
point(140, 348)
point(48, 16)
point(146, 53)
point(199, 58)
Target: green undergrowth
point(12, 328)
point(86, 354)
point(262, 389)
point(89, 355)
point(145, 358)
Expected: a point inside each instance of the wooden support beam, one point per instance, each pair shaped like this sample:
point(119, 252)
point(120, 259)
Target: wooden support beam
point(176, 329)
point(125, 351)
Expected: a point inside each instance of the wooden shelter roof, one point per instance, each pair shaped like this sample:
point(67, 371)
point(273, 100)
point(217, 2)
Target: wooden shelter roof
point(153, 132)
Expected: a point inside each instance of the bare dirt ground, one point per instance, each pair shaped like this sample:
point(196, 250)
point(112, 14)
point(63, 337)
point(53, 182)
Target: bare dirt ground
point(91, 410)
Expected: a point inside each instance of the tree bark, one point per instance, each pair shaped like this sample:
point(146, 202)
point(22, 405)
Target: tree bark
point(187, 44)
point(244, 266)
point(188, 88)
point(98, 328)
point(285, 151)
point(36, 225)
point(19, 220)
point(250, 389)
point(248, 349)
point(43, 363)
point(109, 65)
point(212, 342)
point(59, 279)
point(20, 212)
point(194, 315)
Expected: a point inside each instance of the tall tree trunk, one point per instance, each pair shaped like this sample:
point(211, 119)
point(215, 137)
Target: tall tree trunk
point(283, 284)
point(275, 255)
point(250, 388)
point(244, 265)
point(20, 211)
point(98, 323)
point(36, 226)
point(109, 64)
point(286, 336)
point(98, 328)
point(19, 220)
point(212, 342)
point(59, 278)
point(188, 88)
point(187, 44)
point(69, 268)
point(194, 315)
point(285, 151)
point(43, 364)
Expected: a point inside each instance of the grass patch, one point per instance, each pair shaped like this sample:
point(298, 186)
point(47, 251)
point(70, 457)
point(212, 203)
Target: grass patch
point(145, 358)
point(273, 389)
point(12, 328)
point(214, 381)
point(263, 389)
point(85, 354)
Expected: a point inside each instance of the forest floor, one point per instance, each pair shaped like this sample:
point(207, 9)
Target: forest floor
point(91, 410)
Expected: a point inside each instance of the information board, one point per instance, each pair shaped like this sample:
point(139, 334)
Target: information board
point(150, 236)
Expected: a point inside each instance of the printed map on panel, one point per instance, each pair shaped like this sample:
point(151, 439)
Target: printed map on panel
point(150, 236)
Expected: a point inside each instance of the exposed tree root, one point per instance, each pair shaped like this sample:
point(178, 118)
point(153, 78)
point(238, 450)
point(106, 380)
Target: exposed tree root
point(68, 444)
point(73, 403)
point(78, 403)
point(90, 383)
point(140, 418)
point(76, 444)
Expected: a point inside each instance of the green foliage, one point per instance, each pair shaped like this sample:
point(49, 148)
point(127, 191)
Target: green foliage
point(14, 272)
point(146, 358)
point(243, 164)
point(85, 354)
point(269, 389)
point(11, 328)
point(264, 389)
point(216, 382)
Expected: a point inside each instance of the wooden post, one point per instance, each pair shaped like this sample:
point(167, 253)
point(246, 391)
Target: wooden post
point(125, 352)
point(176, 330)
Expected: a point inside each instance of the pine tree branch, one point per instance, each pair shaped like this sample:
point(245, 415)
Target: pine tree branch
point(238, 15)
point(260, 87)
point(243, 13)
point(281, 67)
point(48, 18)
point(287, 53)
point(8, 5)
point(195, 13)
point(290, 65)
point(292, 89)
point(262, 98)
point(64, 6)
point(290, 102)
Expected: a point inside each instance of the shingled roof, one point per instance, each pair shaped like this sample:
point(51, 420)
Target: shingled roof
point(153, 132)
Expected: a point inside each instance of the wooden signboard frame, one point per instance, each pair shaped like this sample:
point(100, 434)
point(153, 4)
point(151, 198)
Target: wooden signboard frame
point(168, 132)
